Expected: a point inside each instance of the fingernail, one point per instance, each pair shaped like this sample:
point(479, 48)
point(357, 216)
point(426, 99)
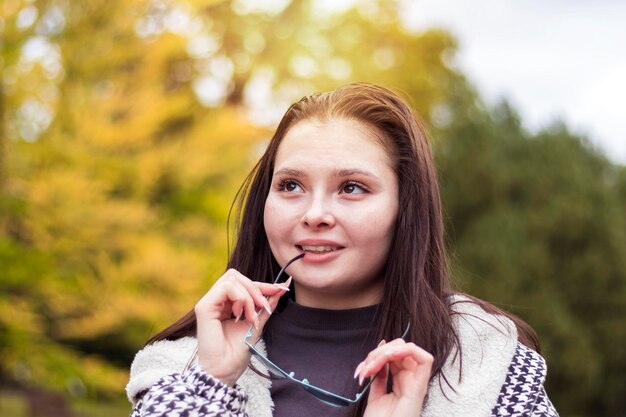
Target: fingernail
point(267, 307)
point(363, 373)
point(382, 342)
point(238, 317)
point(283, 288)
point(256, 321)
point(358, 369)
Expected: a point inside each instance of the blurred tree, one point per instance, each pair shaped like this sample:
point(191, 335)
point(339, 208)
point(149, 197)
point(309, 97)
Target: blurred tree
point(113, 210)
point(129, 126)
point(538, 226)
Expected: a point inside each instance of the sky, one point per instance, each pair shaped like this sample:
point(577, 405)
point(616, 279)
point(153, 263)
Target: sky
point(552, 59)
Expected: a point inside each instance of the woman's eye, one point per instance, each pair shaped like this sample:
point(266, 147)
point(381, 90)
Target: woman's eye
point(352, 188)
point(290, 186)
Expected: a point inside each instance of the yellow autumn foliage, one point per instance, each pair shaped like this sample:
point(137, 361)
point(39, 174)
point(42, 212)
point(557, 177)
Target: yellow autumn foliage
point(128, 134)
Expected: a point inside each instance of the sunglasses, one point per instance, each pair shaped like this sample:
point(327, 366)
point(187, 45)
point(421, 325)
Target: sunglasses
point(321, 394)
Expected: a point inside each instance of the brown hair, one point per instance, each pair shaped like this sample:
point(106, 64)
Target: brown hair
point(416, 278)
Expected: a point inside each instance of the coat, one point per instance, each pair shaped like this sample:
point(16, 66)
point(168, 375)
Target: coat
point(499, 377)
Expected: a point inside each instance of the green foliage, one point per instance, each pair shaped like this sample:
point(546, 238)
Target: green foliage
point(13, 404)
point(537, 226)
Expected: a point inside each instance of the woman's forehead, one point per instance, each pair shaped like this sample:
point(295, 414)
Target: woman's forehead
point(346, 138)
point(333, 132)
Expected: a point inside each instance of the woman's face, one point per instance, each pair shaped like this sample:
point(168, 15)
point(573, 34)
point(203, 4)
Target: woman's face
point(334, 196)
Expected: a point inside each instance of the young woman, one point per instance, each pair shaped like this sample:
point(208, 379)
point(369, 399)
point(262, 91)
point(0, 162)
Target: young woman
point(346, 198)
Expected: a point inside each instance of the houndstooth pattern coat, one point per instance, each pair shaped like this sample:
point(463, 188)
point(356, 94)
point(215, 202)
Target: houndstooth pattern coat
point(500, 378)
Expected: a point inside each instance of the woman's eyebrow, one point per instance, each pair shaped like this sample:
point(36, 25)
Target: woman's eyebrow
point(337, 173)
point(354, 171)
point(290, 172)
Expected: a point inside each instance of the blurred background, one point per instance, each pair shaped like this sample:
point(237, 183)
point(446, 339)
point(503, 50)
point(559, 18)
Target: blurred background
point(127, 126)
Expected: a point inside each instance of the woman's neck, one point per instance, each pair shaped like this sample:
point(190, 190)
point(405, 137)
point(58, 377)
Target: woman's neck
point(332, 299)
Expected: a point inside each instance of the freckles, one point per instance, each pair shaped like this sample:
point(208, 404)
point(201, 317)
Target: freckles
point(372, 226)
point(271, 220)
point(278, 217)
point(273, 207)
point(376, 216)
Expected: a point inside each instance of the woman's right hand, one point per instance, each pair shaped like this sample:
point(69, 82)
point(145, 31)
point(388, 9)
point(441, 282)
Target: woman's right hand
point(224, 315)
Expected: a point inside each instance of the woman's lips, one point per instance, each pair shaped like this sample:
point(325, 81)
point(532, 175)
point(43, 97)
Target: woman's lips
point(319, 252)
point(317, 249)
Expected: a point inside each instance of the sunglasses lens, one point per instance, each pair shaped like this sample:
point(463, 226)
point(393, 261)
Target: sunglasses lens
point(327, 398)
point(269, 365)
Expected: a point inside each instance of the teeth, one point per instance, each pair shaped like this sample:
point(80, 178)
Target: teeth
point(318, 249)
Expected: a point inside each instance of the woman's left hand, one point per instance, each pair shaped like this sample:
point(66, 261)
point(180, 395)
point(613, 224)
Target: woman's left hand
point(410, 368)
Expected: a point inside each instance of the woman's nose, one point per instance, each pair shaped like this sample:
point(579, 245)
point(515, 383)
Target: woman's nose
point(318, 214)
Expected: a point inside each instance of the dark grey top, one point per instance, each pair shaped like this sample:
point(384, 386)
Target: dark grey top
point(324, 346)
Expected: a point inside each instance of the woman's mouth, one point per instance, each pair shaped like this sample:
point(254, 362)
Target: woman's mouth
point(317, 249)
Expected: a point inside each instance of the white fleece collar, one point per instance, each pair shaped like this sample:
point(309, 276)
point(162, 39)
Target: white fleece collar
point(167, 357)
point(488, 344)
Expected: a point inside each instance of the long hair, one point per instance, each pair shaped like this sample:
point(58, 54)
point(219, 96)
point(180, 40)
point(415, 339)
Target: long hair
point(416, 276)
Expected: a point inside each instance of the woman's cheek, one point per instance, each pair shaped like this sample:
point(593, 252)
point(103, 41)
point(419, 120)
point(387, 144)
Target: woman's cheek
point(268, 212)
point(275, 219)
